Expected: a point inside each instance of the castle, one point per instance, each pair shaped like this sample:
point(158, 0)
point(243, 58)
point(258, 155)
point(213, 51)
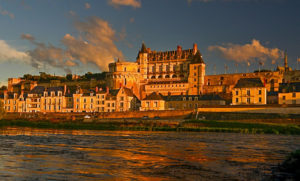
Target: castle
point(177, 72)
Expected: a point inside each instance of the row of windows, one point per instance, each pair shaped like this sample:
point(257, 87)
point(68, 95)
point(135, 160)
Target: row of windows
point(248, 92)
point(167, 76)
point(248, 100)
point(158, 86)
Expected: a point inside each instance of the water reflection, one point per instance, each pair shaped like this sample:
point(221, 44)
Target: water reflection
point(28, 154)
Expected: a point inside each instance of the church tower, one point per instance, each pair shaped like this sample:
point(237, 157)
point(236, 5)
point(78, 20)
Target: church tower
point(286, 66)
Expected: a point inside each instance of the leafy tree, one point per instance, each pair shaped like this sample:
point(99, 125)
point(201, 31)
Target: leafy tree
point(3, 87)
point(2, 111)
point(69, 77)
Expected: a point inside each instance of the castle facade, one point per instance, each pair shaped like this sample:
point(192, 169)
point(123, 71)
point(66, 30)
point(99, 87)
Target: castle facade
point(177, 72)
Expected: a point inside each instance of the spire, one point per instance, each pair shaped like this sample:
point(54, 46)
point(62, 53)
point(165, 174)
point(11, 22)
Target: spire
point(197, 58)
point(143, 49)
point(285, 61)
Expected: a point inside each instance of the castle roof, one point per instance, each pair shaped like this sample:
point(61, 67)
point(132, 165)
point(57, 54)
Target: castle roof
point(197, 58)
point(37, 90)
point(249, 83)
point(154, 96)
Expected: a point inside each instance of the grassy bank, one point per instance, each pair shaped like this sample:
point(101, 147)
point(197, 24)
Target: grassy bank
point(191, 125)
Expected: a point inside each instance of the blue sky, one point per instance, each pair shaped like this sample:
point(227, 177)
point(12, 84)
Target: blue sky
point(62, 36)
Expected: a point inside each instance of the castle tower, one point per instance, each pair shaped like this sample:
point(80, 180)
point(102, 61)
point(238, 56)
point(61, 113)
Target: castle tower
point(286, 67)
point(142, 60)
point(196, 74)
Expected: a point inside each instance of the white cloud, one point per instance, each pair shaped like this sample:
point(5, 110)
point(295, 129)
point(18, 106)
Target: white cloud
point(248, 52)
point(94, 44)
point(118, 3)
point(8, 53)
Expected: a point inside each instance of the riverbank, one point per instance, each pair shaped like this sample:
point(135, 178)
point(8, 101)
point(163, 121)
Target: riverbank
point(230, 126)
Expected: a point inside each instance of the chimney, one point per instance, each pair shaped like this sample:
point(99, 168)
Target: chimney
point(107, 90)
point(97, 89)
point(195, 48)
point(179, 49)
point(65, 89)
point(5, 93)
point(148, 50)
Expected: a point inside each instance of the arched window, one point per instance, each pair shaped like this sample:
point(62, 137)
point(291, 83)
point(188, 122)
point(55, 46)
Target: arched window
point(167, 76)
point(181, 75)
point(174, 76)
point(153, 77)
point(160, 76)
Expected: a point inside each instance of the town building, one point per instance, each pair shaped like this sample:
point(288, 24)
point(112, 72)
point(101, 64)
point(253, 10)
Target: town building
point(156, 101)
point(153, 102)
point(249, 91)
point(289, 93)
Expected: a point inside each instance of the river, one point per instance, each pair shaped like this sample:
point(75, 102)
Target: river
point(45, 154)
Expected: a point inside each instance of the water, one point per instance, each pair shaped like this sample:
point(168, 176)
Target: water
point(35, 154)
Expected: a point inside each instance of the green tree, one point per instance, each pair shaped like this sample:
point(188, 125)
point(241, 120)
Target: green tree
point(2, 111)
point(69, 77)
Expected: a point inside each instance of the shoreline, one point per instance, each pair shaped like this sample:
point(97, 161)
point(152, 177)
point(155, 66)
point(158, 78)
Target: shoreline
point(225, 126)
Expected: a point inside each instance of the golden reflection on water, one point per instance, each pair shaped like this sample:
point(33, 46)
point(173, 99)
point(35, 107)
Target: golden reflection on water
point(134, 155)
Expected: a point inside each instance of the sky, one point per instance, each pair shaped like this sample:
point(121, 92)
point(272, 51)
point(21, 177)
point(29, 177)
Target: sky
point(79, 36)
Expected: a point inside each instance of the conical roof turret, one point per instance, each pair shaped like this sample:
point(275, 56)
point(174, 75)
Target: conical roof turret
point(197, 58)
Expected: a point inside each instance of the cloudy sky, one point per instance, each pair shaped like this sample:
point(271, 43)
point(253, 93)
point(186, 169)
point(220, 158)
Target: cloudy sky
point(64, 36)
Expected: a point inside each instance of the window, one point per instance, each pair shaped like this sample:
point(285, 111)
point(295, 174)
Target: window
point(236, 92)
point(294, 94)
point(236, 100)
point(155, 104)
point(121, 104)
point(84, 100)
point(92, 100)
point(112, 104)
point(293, 101)
point(283, 97)
point(248, 100)
point(190, 98)
point(147, 104)
point(259, 99)
point(122, 98)
point(196, 99)
point(248, 92)
point(124, 69)
point(259, 92)
point(108, 104)
point(183, 98)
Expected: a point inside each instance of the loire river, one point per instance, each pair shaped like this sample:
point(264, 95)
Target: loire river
point(35, 154)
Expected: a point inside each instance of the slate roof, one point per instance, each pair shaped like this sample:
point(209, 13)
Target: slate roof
point(154, 96)
point(289, 87)
point(37, 90)
point(55, 89)
point(205, 97)
point(249, 83)
point(197, 58)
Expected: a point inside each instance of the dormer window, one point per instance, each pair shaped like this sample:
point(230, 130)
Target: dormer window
point(45, 94)
point(59, 93)
point(183, 98)
point(52, 94)
point(190, 98)
point(196, 99)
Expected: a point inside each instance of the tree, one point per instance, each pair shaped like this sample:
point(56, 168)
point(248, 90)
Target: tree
point(69, 77)
point(2, 111)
